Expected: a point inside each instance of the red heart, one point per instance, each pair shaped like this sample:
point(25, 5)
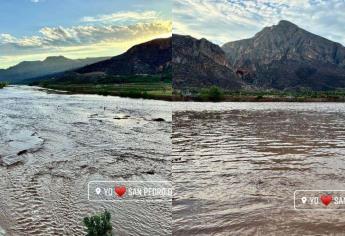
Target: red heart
point(326, 199)
point(120, 190)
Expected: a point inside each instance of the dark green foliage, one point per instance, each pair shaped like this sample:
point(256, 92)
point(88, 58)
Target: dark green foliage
point(298, 95)
point(74, 78)
point(3, 84)
point(133, 86)
point(98, 225)
point(214, 94)
point(148, 90)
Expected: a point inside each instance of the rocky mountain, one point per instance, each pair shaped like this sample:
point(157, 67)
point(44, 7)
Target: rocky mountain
point(153, 57)
point(284, 56)
point(31, 69)
point(200, 63)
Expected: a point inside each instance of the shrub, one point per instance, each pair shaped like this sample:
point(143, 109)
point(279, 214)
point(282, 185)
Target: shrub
point(3, 84)
point(214, 94)
point(98, 225)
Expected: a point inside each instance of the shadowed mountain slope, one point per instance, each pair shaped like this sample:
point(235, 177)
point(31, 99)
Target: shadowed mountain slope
point(200, 63)
point(31, 69)
point(153, 57)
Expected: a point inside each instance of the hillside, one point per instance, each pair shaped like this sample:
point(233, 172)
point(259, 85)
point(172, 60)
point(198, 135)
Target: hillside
point(153, 57)
point(285, 56)
point(31, 69)
point(200, 63)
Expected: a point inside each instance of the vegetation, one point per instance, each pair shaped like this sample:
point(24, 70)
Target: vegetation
point(301, 95)
point(98, 225)
point(137, 86)
point(214, 94)
point(3, 84)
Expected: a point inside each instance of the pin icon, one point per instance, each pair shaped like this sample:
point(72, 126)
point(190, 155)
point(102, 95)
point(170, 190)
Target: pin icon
point(304, 200)
point(98, 191)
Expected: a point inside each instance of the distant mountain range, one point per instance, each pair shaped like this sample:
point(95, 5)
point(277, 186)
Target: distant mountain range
point(32, 69)
point(149, 58)
point(280, 57)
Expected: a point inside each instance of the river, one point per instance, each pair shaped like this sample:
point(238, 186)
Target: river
point(237, 166)
point(52, 145)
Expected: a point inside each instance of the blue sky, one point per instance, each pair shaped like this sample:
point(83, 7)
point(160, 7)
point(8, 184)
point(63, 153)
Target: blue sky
point(35, 29)
point(222, 21)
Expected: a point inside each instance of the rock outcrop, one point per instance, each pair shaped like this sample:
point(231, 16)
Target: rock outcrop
point(284, 56)
point(200, 63)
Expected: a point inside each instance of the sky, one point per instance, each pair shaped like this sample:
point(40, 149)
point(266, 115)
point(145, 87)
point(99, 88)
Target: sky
point(223, 21)
point(35, 29)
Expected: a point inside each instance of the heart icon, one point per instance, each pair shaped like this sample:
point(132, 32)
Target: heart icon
point(326, 199)
point(120, 190)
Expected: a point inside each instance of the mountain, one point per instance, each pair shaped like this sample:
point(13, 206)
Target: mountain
point(31, 69)
point(153, 57)
point(285, 56)
point(200, 63)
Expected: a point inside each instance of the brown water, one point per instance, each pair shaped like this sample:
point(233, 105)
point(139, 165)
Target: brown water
point(241, 163)
point(69, 140)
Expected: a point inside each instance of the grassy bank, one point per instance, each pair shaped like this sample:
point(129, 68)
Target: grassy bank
point(3, 85)
point(216, 94)
point(137, 86)
point(160, 91)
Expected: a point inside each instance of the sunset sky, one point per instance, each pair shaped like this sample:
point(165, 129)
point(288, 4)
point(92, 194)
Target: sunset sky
point(222, 21)
point(35, 29)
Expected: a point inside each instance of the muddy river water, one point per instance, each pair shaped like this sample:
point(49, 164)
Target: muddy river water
point(52, 145)
point(238, 164)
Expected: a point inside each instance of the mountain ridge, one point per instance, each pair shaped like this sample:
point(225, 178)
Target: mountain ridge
point(200, 63)
point(152, 57)
point(281, 57)
point(50, 65)
point(282, 36)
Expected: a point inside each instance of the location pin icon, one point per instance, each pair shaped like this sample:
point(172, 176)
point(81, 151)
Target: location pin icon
point(304, 200)
point(98, 191)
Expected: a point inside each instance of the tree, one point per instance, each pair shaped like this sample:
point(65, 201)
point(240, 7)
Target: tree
point(215, 94)
point(3, 84)
point(99, 225)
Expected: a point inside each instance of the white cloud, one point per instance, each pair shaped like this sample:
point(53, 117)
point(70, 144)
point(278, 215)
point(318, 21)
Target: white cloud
point(7, 38)
point(123, 16)
point(83, 35)
point(227, 20)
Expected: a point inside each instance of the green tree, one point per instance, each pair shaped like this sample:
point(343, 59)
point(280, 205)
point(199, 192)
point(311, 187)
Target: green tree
point(3, 84)
point(215, 94)
point(98, 225)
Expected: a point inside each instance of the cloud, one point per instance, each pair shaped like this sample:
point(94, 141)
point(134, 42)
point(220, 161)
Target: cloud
point(123, 16)
point(79, 41)
point(83, 35)
point(7, 38)
point(227, 20)
point(36, 1)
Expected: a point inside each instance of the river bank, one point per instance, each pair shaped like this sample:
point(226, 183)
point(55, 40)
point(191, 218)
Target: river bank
point(268, 98)
point(215, 94)
point(154, 91)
